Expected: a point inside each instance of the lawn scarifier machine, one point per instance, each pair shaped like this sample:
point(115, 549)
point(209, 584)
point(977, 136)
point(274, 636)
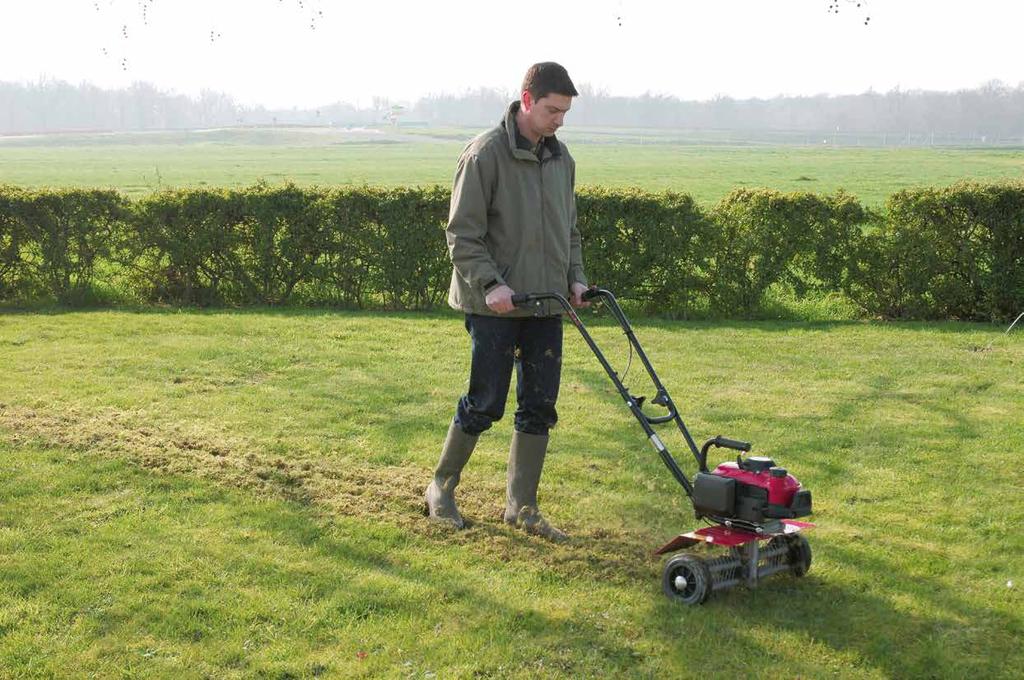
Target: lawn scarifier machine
point(747, 502)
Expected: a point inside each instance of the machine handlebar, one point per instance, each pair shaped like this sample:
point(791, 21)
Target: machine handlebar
point(635, 403)
point(733, 444)
point(521, 299)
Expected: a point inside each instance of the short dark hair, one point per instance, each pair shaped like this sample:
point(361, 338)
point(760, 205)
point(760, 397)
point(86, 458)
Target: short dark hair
point(546, 77)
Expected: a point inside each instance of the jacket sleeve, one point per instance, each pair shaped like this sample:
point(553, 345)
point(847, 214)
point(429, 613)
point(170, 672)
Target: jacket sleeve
point(576, 274)
point(467, 223)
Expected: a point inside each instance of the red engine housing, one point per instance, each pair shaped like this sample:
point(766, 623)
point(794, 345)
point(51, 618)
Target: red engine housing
point(780, 489)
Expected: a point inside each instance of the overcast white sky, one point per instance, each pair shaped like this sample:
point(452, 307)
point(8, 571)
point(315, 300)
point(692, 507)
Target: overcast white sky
point(290, 53)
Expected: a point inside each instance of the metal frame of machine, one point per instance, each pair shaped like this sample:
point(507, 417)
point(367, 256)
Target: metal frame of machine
point(747, 502)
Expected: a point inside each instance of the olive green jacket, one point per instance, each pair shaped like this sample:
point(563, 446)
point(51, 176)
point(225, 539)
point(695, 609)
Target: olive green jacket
point(512, 220)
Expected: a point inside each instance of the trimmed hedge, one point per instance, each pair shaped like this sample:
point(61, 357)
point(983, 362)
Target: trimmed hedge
point(932, 253)
point(51, 241)
point(948, 253)
point(275, 245)
point(654, 248)
point(13, 260)
point(764, 237)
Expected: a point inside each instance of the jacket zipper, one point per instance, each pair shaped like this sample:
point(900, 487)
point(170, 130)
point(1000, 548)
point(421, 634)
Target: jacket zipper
point(543, 232)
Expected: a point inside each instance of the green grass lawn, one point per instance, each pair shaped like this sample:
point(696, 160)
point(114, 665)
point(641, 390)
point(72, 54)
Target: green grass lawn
point(237, 494)
point(138, 163)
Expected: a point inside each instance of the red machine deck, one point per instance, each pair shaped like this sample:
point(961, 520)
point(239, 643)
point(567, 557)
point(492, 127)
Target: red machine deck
point(720, 535)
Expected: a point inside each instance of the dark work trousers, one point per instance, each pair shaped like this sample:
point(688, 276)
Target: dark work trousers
point(534, 346)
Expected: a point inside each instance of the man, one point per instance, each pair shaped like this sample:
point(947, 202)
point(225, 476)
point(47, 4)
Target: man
point(512, 228)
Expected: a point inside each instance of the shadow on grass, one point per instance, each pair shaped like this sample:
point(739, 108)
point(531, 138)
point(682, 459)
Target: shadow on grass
point(901, 626)
point(898, 622)
point(290, 580)
point(918, 630)
point(526, 631)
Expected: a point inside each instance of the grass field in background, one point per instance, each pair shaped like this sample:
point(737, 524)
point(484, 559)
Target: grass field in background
point(138, 163)
point(237, 494)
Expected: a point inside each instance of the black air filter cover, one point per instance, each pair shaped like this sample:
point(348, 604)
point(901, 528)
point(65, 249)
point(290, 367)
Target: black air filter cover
point(714, 494)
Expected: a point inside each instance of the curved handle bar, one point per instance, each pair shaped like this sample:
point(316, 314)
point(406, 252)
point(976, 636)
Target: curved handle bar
point(523, 299)
point(733, 444)
point(592, 293)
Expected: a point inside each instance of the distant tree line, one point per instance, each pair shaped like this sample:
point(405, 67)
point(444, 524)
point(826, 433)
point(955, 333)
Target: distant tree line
point(53, 106)
point(58, 106)
point(992, 113)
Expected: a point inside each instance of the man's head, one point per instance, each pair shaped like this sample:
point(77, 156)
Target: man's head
point(546, 96)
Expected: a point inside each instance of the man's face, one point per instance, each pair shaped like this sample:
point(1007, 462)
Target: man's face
point(545, 115)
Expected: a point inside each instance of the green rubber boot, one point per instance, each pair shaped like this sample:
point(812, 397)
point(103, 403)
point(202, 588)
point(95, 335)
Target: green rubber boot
point(440, 494)
point(525, 463)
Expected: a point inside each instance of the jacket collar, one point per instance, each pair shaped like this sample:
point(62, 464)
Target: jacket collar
point(554, 149)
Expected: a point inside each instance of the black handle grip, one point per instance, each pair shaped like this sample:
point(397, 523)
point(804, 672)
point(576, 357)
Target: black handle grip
point(520, 299)
point(590, 293)
point(733, 444)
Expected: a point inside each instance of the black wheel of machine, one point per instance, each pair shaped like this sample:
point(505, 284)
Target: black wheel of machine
point(799, 554)
point(686, 579)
